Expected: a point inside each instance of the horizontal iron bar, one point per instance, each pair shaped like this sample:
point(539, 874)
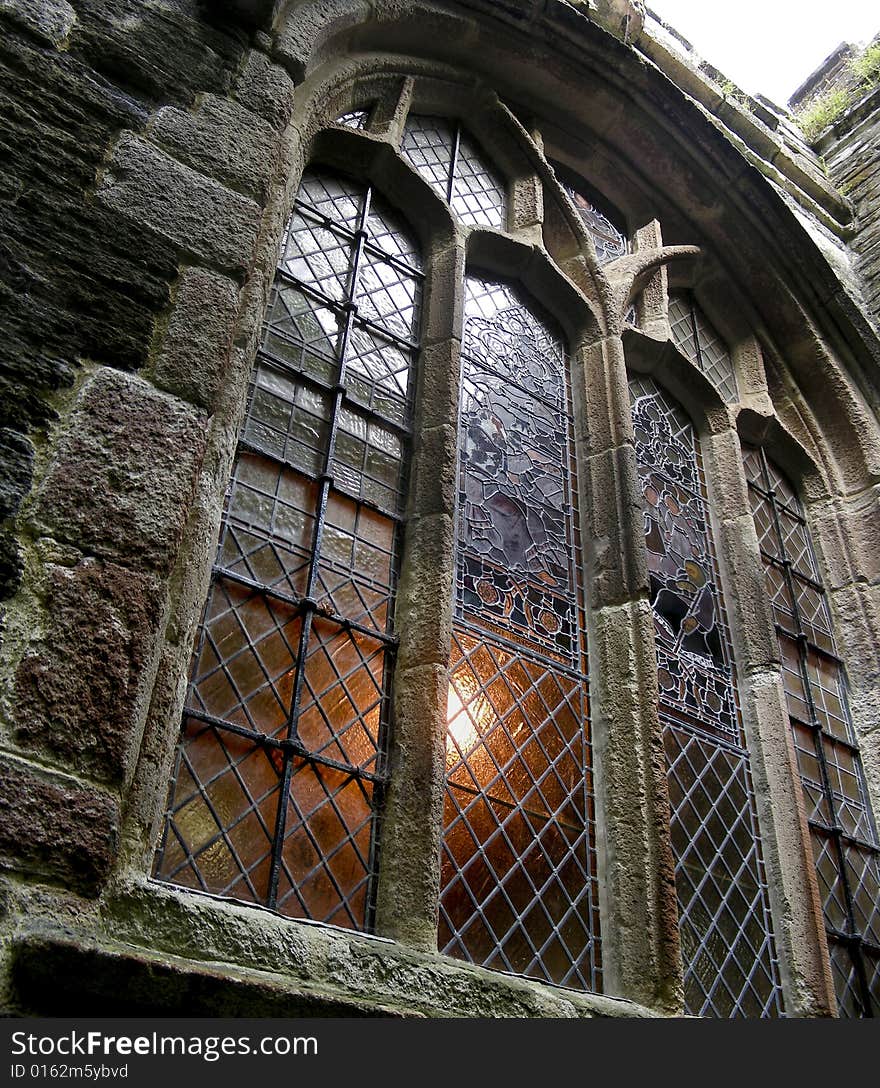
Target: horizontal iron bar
point(288, 747)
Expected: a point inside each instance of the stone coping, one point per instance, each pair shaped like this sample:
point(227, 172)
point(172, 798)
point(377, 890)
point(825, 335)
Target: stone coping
point(163, 950)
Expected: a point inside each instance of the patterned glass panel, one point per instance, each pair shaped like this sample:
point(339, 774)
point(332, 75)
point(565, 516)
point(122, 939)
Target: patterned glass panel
point(518, 888)
point(843, 833)
point(457, 169)
point(608, 238)
point(730, 965)
point(281, 767)
point(697, 340)
point(354, 119)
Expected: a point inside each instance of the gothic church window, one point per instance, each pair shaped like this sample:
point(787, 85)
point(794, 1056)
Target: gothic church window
point(281, 766)
point(518, 882)
point(842, 828)
point(728, 953)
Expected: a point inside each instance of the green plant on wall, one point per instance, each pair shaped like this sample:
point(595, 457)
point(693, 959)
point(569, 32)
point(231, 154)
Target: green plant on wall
point(821, 111)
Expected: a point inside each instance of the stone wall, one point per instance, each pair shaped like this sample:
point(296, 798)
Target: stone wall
point(851, 150)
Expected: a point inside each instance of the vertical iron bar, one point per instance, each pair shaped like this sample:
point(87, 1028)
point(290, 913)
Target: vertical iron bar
point(317, 537)
point(453, 163)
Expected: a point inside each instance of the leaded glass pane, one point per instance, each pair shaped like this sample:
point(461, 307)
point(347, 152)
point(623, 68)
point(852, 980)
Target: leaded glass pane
point(478, 194)
point(457, 169)
point(610, 241)
point(518, 865)
point(727, 948)
point(295, 643)
point(843, 833)
point(428, 143)
point(730, 966)
point(698, 341)
point(354, 119)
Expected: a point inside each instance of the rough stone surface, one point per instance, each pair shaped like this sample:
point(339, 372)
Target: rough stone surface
point(612, 514)
point(79, 691)
point(53, 974)
point(787, 855)
point(410, 880)
point(197, 215)
point(361, 967)
point(16, 461)
point(853, 161)
point(266, 89)
point(123, 471)
point(316, 20)
point(423, 609)
point(49, 20)
point(195, 349)
point(637, 890)
point(222, 140)
point(78, 279)
point(436, 461)
point(747, 606)
point(55, 830)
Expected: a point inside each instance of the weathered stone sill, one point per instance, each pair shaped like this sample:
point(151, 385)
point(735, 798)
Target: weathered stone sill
point(176, 953)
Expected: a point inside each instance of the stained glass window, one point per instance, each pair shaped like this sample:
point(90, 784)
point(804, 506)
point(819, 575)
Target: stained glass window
point(608, 236)
point(842, 828)
point(728, 954)
point(456, 167)
point(281, 766)
point(518, 884)
point(354, 118)
point(699, 342)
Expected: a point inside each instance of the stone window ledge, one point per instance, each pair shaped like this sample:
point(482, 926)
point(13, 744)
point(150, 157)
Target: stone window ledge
point(178, 953)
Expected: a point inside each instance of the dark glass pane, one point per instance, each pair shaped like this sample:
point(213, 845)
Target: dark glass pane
point(727, 948)
point(244, 667)
point(222, 812)
point(342, 696)
point(269, 528)
point(515, 525)
point(325, 868)
point(302, 331)
point(694, 676)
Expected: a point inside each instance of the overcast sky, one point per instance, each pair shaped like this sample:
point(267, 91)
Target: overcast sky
point(769, 46)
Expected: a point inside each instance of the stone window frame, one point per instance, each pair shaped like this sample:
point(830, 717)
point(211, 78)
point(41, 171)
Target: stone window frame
point(637, 892)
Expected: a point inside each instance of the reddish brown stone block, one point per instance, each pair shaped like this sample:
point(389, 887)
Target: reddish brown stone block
point(80, 691)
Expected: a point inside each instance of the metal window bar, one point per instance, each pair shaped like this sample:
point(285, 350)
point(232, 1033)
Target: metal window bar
point(854, 941)
point(285, 748)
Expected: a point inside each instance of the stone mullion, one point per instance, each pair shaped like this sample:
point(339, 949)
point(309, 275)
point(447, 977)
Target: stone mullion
point(798, 925)
point(639, 910)
point(411, 828)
